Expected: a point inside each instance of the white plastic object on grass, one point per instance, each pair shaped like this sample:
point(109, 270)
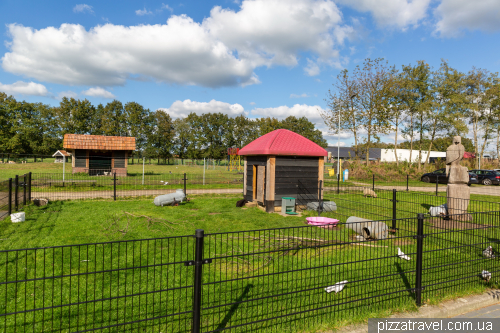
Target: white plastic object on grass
point(337, 287)
point(402, 255)
point(18, 217)
point(438, 210)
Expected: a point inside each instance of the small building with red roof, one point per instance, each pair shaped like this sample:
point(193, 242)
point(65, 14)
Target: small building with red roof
point(99, 154)
point(281, 164)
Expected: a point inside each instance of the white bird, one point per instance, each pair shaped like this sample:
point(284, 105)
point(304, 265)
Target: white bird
point(488, 253)
point(402, 255)
point(337, 287)
point(486, 275)
point(164, 183)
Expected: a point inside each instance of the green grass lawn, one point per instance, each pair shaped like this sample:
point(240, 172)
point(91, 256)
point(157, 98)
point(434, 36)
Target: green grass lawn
point(257, 272)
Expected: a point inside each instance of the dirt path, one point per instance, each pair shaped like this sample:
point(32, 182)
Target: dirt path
point(135, 193)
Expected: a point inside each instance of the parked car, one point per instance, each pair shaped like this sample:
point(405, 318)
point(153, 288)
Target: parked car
point(440, 176)
point(487, 177)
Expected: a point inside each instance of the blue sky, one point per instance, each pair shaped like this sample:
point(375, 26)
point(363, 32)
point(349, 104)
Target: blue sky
point(260, 58)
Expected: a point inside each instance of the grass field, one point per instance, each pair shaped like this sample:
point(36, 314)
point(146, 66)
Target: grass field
point(48, 166)
point(257, 272)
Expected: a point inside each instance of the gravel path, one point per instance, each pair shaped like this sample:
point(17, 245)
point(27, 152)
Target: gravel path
point(135, 193)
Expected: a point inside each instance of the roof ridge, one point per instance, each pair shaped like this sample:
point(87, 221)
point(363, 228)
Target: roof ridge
point(276, 136)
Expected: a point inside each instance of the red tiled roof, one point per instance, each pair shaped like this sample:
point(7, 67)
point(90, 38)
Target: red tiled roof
point(98, 142)
point(283, 142)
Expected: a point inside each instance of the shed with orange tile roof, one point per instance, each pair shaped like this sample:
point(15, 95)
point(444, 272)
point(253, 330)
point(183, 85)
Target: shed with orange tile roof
point(99, 154)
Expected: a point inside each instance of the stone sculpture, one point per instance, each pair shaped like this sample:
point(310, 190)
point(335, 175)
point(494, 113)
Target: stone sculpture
point(457, 192)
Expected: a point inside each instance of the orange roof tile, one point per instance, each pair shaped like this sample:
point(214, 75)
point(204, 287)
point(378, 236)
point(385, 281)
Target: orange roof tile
point(98, 142)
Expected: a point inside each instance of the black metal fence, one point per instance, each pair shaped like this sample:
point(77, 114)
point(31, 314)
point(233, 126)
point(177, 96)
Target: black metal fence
point(272, 280)
point(15, 193)
point(112, 186)
point(375, 203)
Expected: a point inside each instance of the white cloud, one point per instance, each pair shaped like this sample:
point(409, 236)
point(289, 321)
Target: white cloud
point(83, 8)
point(142, 12)
point(223, 50)
point(457, 15)
point(24, 88)
point(167, 7)
point(311, 112)
point(68, 94)
point(181, 109)
point(98, 92)
point(252, 103)
point(298, 96)
point(312, 68)
point(397, 13)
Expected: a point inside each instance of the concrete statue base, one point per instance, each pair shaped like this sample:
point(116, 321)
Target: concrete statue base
point(458, 197)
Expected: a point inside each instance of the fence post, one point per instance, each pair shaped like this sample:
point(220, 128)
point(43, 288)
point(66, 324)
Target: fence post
point(338, 183)
point(10, 196)
point(418, 276)
point(184, 179)
point(29, 186)
point(24, 188)
point(320, 199)
point(407, 176)
point(437, 181)
point(394, 215)
point(198, 268)
point(114, 185)
point(16, 192)
point(373, 182)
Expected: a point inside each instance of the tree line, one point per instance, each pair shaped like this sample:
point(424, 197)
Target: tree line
point(423, 105)
point(36, 128)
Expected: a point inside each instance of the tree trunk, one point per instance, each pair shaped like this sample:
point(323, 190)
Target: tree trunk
point(498, 142)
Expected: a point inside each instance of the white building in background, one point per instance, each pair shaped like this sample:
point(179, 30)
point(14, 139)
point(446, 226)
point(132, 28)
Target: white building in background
point(389, 155)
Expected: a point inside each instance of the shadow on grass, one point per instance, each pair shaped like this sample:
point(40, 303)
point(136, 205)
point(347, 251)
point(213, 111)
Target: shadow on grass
point(233, 309)
point(405, 279)
point(426, 206)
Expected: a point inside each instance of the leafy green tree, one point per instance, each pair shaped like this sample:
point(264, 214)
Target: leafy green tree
point(114, 119)
point(213, 130)
point(445, 114)
point(416, 97)
point(342, 103)
point(8, 105)
point(75, 116)
point(195, 136)
point(476, 85)
point(182, 137)
point(373, 81)
point(138, 123)
point(305, 128)
point(161, 134)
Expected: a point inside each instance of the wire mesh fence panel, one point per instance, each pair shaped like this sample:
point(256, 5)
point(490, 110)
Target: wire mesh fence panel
point(108, 185)
point(459, 256)
point(4, 199)
point(139, 285)
point(291, 279)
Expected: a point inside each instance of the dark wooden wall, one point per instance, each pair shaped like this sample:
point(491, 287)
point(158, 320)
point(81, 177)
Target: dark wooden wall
point(119, 159)
point(251, 161)
point(80, 158)
point(297, 177)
